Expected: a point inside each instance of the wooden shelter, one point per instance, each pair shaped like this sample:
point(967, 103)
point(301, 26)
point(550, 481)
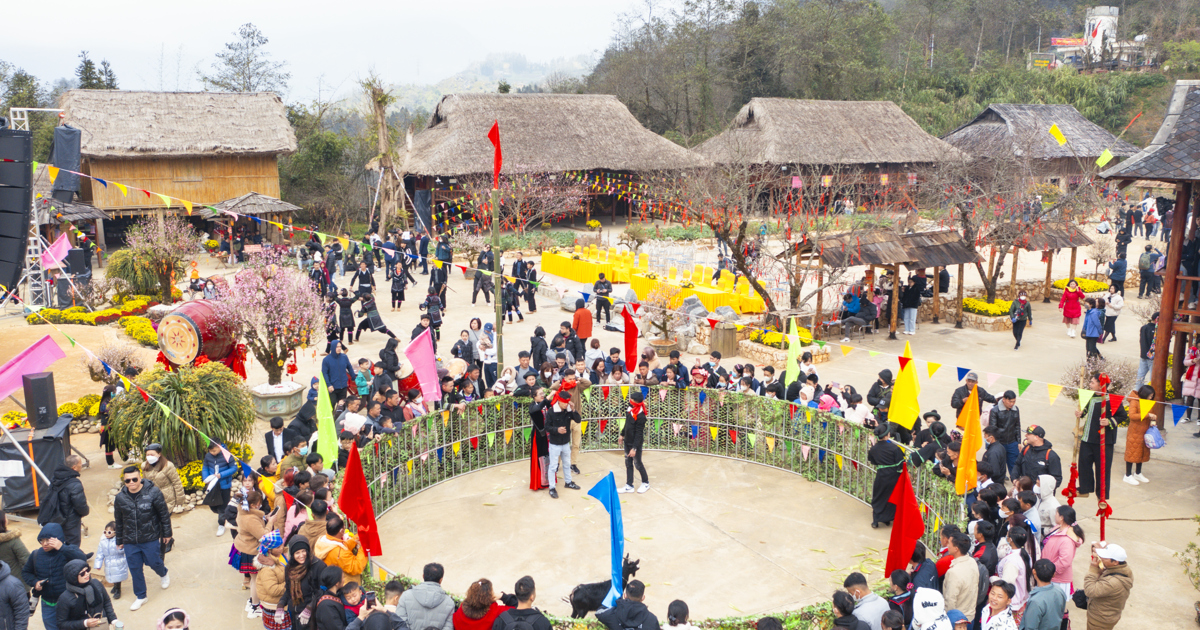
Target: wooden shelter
point(1042, 237)
point(205, 147)
point(884, 248)
point(1171, 158)
point(254, 210)
point(540, 134)
point(52, 212)
point(1006, 130)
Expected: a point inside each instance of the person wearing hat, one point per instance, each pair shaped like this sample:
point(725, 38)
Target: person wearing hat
point(1107, 585)
point(958, 619)
point(888, 458)
point(1006, 418)
point(632, 437)
point(964, 392)
point(1100, 421)
point(875, 396)
point(1037, 457)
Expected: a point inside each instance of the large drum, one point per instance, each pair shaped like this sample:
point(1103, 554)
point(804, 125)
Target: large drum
point(191, 330)
point(408, 380)
point(457, 367)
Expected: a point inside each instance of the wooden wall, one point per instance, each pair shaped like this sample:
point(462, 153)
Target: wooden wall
point(208, 180)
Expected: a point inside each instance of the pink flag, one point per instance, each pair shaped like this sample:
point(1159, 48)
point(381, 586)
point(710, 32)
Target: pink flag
point(57, 252)
point(420, 353)
point(35, 358)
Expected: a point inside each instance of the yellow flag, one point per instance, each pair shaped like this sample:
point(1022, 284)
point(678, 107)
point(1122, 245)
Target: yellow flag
point(507, 436)
point(53, 172)
point(1106, 156)
point(457, 447)
point(583, 426)
point(121, 187)
point(933, 367)
point(1144, 407)
point(188, 205)
point(1054, 391)
point(839, 460)
point(1058, 134)
point(713, 432)
point(624, 391)
point(165, 199)
point(972, 441)
point(446, 417)
point(905, 409)
point(846, 350)
point(345, 243)
point(410, 462)
point(770, 444)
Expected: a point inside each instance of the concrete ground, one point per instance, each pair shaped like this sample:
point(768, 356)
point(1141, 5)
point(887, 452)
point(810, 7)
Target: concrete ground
point(1163, 597)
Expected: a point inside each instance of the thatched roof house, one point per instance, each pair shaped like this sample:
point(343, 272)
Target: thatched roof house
point(48, 209)
point(875, 135)
point(1023, 131)
point(1174, 153)
point(540, 133)
point(205, 147)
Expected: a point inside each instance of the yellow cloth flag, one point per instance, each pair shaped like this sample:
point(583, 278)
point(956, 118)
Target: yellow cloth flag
point(1145, 407)
point(1058, 134)
point(507, 436)
point(53, 172)
point(1054, 391)
point(905, 409)
point(624, 391)
point(933, 367)
point(457, 447)
point(713, 431)
point(410, 464)
point(839, 460)
point(121, 187)
point(188, 205)
point(345, 243)
point(583, 426)
point(1106, 156)
point(972, 441)
point(446, 418)
point(846, 350)
point(770, 444)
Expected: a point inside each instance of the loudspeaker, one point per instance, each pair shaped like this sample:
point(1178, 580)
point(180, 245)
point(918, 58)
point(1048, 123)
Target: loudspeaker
point(16, 202)
point(49, 447)
point(62, 290)
point(76, 261)
point(40, 401)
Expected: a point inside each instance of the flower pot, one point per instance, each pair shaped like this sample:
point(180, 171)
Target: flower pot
point(664, 347)
point(283, 400)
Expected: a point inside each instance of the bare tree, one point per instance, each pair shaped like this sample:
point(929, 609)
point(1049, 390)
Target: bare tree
point(390, 186)
point(526, 199)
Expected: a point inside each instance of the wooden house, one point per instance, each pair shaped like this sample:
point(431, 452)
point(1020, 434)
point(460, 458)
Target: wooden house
point(1023, 132)
point(52, 213)
point(205, 147)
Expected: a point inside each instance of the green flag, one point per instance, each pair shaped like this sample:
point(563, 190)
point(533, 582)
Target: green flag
point(527, 432)
point(793, 367)
point(1022, 383)
point(491, 439)
point(327, 444)
point(166, 410)
point(1106, 156)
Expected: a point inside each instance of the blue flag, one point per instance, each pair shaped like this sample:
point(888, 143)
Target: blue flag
point(962, 372)
point(605, 491)
point(586, 296)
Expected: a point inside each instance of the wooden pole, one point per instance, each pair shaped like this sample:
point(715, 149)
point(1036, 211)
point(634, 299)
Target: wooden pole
point(937, 295)
point(1170, 294)
point(958, 324)
point(816, 325)
point(1071, 274)
point(498, 277)
point(1049, 279)
point(1013, 279)
point(895, 300)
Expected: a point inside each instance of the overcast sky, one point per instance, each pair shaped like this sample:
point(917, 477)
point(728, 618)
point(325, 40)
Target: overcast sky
point(159, 45)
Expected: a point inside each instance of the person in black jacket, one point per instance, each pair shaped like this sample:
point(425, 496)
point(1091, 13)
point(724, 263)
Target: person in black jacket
point(530, 287)
point(631, 612)
point(910, 303)
point(603, 289)
point(85, 604)
point(1038, 458)
point(632, 436)
point(538, 347)
point(1006, 417)
point(364, 280)
point(72, 502)
point(302, 579)
point(390, 358)
point(963, 392)
point(880, 389)
point(369, 311)
point(43, 571)
point(994, 456)
point(888, 460)
point(558, 434)
point(345, 316)
point(486, 262)
point(401, 278)
point(14, 601)
point(524, 613)
point(143, 521)
point(571, 341)
point(329, 613)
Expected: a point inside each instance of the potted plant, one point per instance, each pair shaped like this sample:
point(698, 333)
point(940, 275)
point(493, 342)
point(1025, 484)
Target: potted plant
point(659, 311)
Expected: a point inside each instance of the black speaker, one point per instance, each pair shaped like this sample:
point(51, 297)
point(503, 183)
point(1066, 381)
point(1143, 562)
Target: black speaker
point(62, 290)
point(40, 402)
point(50, 447)
point(76, 262)
point(16, 202)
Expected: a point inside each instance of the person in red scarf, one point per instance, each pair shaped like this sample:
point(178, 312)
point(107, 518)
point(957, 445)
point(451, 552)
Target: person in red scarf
point(558, 429)
point(632, 435)
point(539, 447)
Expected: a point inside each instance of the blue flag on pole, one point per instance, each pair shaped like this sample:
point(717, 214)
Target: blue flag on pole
point(605, 491)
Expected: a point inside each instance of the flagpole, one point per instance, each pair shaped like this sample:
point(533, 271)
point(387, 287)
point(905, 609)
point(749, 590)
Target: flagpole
point(497, 264)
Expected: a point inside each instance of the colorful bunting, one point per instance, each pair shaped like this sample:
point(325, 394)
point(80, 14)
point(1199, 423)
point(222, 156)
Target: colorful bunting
point(932, 367)
point(1022, 385)
point(962, 372)
point(1053, 390)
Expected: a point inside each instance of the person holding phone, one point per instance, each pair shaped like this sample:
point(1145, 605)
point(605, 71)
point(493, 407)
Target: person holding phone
point(85, 603)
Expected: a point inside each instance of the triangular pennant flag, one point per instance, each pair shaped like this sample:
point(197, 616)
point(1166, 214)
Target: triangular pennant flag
point(1022, 385)
point(753, 438)
point(804, 450)
point(962, 372)
point(846, 350)
point(527, 432)
point(463, 268)
point(1053, 390)
point(1177, 411)
point(583, 426)
point(1058, 134)
point(166, 410)
point(712, 323)
point(457, 446)
point(992, 378)
point(102, 182)
point(713, 432)
point(770, 444)
point(188, 206)
point(1115, 402)
point(1085, 396)
point(145, 396)
point(657, 424)
point(820, 344)
point(52, 171)
point(604, 389)
point(586, 296)
point(675, 427)
point(839, 460)
point(932, 367)
point(662, 395)
point(165, 199)
point(69, 339)
point(409, 465)
point(645, 392)
point(123, 188)
point(491, 439)
point(1145, 407)
point(1106, 156)
point(904, 362)
point(507, 436)
point(625, 391)
point(733, 436)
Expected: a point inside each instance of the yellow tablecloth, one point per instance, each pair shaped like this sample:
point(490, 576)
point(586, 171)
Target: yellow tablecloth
point(711, 297)
point(563, 266)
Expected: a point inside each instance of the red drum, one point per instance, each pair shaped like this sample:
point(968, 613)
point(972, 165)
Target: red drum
point(408, 380)
point(456, 367)
point(191, 330)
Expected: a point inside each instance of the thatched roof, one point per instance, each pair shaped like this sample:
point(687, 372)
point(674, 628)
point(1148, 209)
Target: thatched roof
point(540, 133)
point(1174, 154)
point(47, 208)
point(883, 248)
point(121, 124)
point(1004, 130)
point(818, 133)
point(252, 204)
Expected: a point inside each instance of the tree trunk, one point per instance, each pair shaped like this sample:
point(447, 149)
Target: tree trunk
point(164, 283)
point(274, 373)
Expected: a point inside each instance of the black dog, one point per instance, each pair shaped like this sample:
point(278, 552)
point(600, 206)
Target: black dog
point(587, 598)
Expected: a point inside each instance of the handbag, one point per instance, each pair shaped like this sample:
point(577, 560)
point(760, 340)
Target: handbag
point(1154, 438)
point(213, 498)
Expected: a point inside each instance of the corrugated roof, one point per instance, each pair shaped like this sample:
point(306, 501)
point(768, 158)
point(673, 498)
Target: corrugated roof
point(1174, 154)
point(1004, 129)
point(124, 124)
point(793, 131)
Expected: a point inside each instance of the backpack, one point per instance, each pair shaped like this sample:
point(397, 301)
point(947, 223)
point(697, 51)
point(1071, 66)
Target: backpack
point(50, 511)
point(506, 621)
point(1144, 262)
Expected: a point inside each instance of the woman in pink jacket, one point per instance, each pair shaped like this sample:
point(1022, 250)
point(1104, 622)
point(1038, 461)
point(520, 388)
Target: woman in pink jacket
point(1059, 547)
point(1070, 306)
point(1191, 382)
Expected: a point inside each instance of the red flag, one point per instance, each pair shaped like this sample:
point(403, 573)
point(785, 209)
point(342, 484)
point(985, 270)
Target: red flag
point(355, 503)
point(631, 336)
point(288, 501)
point(908, 527)
point(494, 136)
point(712, 323)
point(145, 396)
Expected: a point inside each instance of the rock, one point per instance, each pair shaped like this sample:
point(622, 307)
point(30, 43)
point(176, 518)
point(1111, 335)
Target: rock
point(726, 313)
point(688, 331)
point(567, 302)
point(697, 348)
point(94, 430)
point(114, 492)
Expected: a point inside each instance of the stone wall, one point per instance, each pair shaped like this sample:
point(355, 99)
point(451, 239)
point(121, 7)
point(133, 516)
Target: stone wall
point(759, 354)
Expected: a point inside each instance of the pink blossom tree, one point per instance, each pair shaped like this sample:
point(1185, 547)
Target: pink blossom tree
point(164, 244)
point(273, 307)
